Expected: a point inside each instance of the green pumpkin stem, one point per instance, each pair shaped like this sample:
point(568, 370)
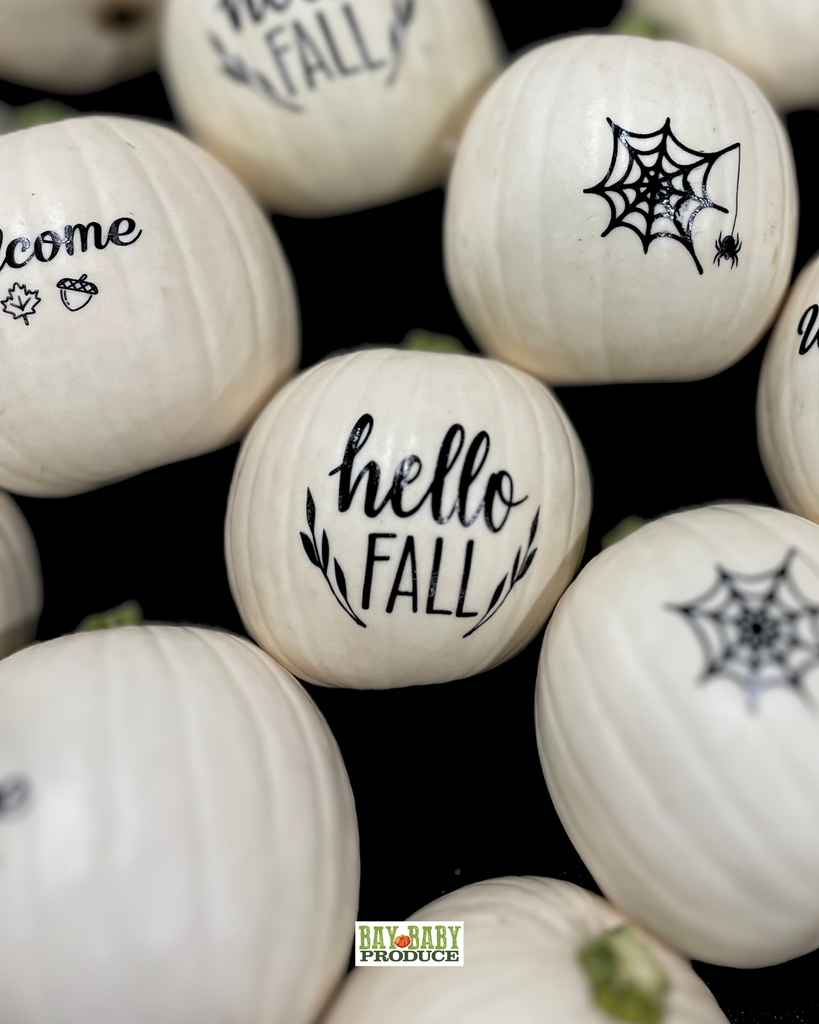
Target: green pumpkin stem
point(629, 23)
point(627, 980)
point(625, 528)
point(40, 112)
point(128, 614)
point(425, 341)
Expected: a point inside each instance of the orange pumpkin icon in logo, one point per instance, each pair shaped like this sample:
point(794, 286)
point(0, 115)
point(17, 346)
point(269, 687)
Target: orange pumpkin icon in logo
point(402, 941)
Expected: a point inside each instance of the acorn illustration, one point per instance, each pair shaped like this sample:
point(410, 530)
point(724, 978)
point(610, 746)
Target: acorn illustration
point(76, 293)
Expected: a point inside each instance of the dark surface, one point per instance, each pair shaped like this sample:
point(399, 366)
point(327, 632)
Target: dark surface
point(372, 277)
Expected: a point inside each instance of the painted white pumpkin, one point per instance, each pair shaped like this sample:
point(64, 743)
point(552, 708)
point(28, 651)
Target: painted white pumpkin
point(146, 309)
point(621, 209)
point(775, 42)
point(787, 417)
point(21, 584)
point(324, 107)
point(522, 944)
point(177, 834)
point(399, 518)
point(678, 729)
point(73, 46)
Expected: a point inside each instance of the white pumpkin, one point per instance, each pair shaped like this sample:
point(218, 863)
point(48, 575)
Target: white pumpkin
point(522, 944)
point(177, 834)
point(775, 42)
point(678, 729)
point(73, 46)
point(324, 107)
point(621, 210)
point(399, 518)
point(146, 309)
point(21, 584)
point(787, 417)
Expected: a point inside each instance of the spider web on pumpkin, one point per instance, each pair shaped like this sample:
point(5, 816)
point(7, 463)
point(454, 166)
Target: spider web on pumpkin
point(657, 186)
point(759, 631)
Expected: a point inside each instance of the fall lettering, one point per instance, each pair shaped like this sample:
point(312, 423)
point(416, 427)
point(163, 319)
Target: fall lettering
point(74, 238)
point(325, 43)
point(420, 572)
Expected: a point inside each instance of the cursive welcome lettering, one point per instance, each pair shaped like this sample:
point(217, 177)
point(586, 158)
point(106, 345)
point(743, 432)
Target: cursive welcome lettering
point(48, 244)
point(806, 325)
point(496, 504)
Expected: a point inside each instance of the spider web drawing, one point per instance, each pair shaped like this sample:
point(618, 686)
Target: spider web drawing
point(759, 631)
point(656, 186)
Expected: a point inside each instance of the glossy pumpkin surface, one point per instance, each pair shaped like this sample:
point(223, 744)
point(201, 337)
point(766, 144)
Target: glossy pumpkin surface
point(787, 422)
point(74, 46)
point(324, 107)
point(677, 725)
point(21, 585)
point(775, 43)
point(522, 941)
point(177, 834)
point(621, 210)
point(398, 518)
point(192, 326)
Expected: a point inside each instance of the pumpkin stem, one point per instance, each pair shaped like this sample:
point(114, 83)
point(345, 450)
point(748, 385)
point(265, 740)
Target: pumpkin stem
point(128, 614)
point(426, 341)
point(627, 980)
point(629, 23)
point(40, 112)
point(625, 528)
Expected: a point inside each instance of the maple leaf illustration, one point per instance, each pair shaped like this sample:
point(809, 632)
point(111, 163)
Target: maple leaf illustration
point(21, 303)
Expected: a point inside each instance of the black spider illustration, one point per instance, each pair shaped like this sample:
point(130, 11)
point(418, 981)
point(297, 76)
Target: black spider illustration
point(656, 186)
point(15, 793)
point(728, 249)
point(759, 631)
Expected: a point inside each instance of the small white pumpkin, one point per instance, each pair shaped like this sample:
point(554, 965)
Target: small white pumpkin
point(399, 518)
point(73, 46)
point(677, 722)
point(524, 941)
point(146, 309)
point(787, 414)
point(324, 107)
point(21, 584)
point(775, 42)
point(177, 834)
point(621, 210)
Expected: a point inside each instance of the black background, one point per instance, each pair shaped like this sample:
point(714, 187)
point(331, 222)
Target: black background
point(371, 277)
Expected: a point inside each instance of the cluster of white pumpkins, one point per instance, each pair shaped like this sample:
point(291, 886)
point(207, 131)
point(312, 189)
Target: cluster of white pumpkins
point(178, 838)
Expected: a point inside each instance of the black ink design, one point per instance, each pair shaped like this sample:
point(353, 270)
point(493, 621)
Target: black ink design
point(499, 489)
point(74, 239)
point(21, 303)
point(806, 325)
point(15, 795)
point(320, 557)
point(759, 631)
point(664, 181)
point(308, 50)
point(403, 12)
point(519, 569)
point(76, 293)
point(728, 249)
point(235, 67)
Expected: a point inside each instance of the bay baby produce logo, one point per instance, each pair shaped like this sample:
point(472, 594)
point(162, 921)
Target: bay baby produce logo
point(409, 944)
